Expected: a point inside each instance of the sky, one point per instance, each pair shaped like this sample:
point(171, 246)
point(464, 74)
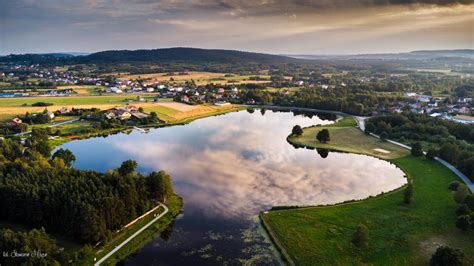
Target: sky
point(268, 26)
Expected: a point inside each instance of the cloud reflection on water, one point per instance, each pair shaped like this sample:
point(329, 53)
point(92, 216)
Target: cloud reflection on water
point(237, 164)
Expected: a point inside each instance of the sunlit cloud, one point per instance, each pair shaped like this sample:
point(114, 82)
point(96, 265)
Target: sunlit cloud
point(298, 26)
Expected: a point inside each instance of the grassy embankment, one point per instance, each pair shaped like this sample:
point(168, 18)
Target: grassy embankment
point(175, 205)
point(399, 234)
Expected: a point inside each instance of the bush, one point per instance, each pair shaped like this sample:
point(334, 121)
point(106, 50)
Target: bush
point(453, 186)
point(383, 136)
point(41, 104)
point(417, 150)
point(360, 238)
point(461, 193)
point(464, 222)
point(447, 256)
point(431, 153)
point(463, 210)
point(469, 201)
point(408, 194)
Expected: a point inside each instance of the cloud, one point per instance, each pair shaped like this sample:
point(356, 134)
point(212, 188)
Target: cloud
point(275, 26)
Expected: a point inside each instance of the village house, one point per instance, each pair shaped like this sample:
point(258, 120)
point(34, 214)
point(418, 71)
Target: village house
point(15, 121)
point(185, 98)
point(130, 108)
point(64, 110)
point(122, 114)
point(114, 90)
point(110, 115)
point(139, 115)
point(465, 110)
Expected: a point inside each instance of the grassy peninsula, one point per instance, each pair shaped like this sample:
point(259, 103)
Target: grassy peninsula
point(399, 234)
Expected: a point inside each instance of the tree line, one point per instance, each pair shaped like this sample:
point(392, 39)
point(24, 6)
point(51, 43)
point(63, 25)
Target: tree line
point(451, 141)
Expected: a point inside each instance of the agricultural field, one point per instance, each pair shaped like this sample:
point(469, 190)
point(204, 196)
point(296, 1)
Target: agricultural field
point(200, 78)
point(173, 112)
point(10, 107)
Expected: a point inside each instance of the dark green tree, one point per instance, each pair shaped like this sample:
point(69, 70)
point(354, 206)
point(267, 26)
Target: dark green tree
point(431, 153)
point(159, 185)
point(417, 150)
point(461, 193)
point(66, 155)
point(464, 222)
point(323, 136)
point(39, 141)
point(463, 210)
point(127, 167)
point(408, 194)
point(369, 128)
point(297, 130)
point(447, 256)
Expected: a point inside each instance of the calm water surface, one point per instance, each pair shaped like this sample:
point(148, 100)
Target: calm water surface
point(228, 168)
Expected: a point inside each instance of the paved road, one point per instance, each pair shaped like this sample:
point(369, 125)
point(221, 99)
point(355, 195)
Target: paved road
point(132, 236)
point(361, 121)
point(451, 167)
point(53, 125)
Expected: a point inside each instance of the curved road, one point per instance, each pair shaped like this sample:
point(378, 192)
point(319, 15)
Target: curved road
point(132, 236)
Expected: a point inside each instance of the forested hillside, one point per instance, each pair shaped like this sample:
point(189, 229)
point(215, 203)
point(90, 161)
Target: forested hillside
point(88, 206)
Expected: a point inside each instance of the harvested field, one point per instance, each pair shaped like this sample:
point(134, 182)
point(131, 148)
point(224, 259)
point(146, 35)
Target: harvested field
point(178, 106)
point(166, 77)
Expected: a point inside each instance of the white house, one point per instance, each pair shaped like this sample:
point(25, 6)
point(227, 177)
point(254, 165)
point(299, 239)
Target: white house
point(114, 90)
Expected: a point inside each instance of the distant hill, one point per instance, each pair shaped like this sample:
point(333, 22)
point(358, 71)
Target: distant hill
point(414, 55)
point(185, 55)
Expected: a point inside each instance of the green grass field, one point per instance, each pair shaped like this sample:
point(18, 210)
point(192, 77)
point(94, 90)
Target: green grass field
point(71, 100)
point(399, 234)
point(163, 112)
point(345, 137)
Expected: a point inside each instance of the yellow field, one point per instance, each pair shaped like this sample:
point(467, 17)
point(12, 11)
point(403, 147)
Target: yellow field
point(201, 78)
point(172, 112)
point(178, 106)
point(165, 77)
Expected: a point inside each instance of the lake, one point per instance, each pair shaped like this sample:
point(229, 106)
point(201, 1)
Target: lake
point(228, 168)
